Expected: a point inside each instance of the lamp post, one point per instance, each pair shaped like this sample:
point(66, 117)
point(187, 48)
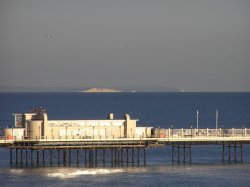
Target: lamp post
point(222, 130)
point(217, 116)
point(197, 119)
point(172, 131)
point(191, 127)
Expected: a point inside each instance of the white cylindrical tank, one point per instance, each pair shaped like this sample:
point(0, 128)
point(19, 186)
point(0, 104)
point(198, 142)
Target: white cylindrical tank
point(34, 129)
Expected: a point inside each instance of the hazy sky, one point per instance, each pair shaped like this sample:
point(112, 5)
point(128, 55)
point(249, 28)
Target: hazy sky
point(197, 45)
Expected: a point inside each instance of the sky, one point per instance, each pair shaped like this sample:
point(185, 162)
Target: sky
point(194, 45)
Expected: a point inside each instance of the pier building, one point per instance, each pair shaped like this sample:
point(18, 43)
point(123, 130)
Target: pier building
point(36, 125)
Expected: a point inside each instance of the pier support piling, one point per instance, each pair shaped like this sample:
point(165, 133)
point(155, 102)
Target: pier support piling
point(10, 156)
point(145, 156)
point(69, 151)
point(77, 157)
point(127, 157)
point(103, 157)
point(50, 152)
point(37, 157)
point(96, 154)
point(236, 152)
point(64, 157)
point(16, 156)
point(31, 156)
point(132, 156)
point(58, 157)
point(85, 157)
point(183, 152)
point(122, 157)
point(138, 156)
point(43, 157)
point(21, 150)
point(26, 157)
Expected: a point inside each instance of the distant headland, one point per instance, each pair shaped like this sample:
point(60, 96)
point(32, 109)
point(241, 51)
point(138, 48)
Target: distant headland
point(89, 89)
point(101, 90)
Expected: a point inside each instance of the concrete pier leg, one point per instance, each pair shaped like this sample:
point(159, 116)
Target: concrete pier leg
point(145, 156)
point(103, 157)
point(111, 156)
point(132, 156)
point(138, 156)
point(90, 158)
point(96, 157)
point(118, 157)
point(43, 157)
point(31, 156)
point(178, 153)
point(115, 159)
point(50, 152)
point(229, 153)
point(10, 156)
point(85, 157)
point(16, 156)
point(21, 150)
point(127, 157)
point(77, 157)
point(172, 153)
point(26, 157)
point(58, 157)
point(235, 154)
point(241, 159)
point(37, 157)
point(64, 157)
point(223, 151)
point(190, 154)
point(69, 157)
point(122, 157)
point(184, 153)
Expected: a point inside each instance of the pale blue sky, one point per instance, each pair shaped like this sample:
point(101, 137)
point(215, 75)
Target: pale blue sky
point(196, 45)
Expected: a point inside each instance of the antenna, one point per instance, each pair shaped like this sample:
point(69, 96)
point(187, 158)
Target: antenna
point(197, 122)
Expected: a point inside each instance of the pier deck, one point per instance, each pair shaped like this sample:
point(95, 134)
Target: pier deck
point(174, 136)
point(127, 150)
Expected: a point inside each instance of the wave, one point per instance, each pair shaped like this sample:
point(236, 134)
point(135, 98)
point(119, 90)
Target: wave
point(70, 174)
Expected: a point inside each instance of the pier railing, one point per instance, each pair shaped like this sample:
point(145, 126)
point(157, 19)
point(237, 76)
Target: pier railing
point(166, 135)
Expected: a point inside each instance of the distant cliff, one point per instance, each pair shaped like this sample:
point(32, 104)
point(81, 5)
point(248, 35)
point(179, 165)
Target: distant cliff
point(96, 90)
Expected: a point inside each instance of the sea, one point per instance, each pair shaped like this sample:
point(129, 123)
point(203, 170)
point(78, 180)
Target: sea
point(164, 110)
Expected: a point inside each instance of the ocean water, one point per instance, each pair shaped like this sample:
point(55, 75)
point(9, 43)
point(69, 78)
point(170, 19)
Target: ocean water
point(152, 109)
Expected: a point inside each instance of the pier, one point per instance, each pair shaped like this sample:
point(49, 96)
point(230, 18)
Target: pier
point(36, 140)
point(125, 151)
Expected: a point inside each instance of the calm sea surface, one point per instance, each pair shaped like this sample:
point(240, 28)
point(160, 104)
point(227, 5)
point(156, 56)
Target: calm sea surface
point(152, 109)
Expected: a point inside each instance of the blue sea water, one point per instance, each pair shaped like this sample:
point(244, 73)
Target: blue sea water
point(152, 109)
